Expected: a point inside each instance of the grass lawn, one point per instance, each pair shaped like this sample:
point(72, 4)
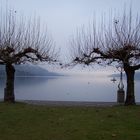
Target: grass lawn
point(29, 122)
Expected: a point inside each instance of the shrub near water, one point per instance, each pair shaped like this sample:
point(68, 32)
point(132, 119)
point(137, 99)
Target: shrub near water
point(26, 122)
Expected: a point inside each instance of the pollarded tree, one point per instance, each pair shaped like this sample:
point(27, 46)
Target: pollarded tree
point(22, 42)
point(117, 44)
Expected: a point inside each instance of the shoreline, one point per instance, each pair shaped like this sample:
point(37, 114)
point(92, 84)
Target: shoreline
point(70, 103)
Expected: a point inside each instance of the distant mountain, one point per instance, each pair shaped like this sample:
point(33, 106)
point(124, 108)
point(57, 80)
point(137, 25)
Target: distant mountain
point(137, 75)
point(28, 70)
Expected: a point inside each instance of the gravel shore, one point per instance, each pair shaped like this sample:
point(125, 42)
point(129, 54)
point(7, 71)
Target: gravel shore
point(70, 103)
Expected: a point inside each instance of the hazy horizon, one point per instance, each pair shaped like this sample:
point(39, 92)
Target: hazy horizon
point(64, 17)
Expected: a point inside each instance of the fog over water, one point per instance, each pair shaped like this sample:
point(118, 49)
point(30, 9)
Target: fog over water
point(67, 88)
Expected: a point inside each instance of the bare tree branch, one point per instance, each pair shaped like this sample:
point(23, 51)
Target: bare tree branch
point(119, 42)
point(21, 42)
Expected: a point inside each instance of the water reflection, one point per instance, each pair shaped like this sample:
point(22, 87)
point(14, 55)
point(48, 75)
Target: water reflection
point(25, 81)
point(66, 88)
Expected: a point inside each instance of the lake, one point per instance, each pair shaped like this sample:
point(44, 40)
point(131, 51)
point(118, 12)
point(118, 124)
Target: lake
point(67, 88)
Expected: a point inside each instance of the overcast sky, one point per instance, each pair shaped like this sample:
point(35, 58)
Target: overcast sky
point(63, 17)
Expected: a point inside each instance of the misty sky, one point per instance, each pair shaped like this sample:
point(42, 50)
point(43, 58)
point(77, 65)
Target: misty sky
point(63, 17)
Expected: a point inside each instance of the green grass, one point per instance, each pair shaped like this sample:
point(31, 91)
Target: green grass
point(27, 122)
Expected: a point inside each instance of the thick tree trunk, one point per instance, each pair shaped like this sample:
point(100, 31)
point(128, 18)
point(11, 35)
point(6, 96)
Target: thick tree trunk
point(9, 89)
point(130, 93)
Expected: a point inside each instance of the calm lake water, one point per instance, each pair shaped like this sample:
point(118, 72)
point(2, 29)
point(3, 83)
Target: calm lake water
point(67, 88)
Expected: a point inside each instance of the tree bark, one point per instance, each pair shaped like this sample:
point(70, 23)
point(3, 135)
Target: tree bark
point(9, 89)
point(130, 93)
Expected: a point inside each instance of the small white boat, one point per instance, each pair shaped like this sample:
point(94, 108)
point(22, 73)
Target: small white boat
point(113, 80)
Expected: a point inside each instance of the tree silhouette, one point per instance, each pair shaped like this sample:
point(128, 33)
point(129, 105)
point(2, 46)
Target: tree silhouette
point(118, 43)
point(22, 42)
